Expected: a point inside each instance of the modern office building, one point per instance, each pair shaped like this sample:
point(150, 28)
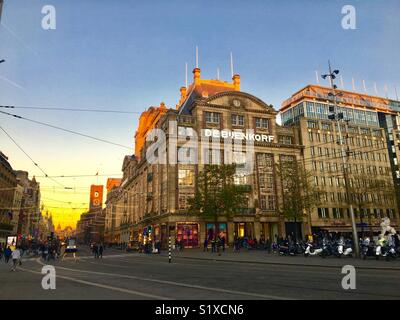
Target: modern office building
point(368, 132)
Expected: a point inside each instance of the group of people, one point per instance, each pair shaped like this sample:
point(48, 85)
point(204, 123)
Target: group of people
point(150, 247)
point(7, 253)
point(217, 243)
point(251, 243)
point(97, 250)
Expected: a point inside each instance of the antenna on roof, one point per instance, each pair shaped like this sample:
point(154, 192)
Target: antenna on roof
point(341, 81)
point(386, 90)
point(197, 56)
point(364, 86)
point(186, 75)
point(376, 89)
point(395, 91)
point(231, 64)
point(316, 76)
point(354, 84)
point(217, 73)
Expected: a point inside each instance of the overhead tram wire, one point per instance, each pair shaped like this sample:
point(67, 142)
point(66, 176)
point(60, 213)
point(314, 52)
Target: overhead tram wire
point(85, 175)
point(66, 130)
point(72, 109)
point(30, 158)
point(68, 202)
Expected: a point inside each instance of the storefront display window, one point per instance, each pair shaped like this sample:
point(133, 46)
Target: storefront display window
point(211, 232)
point(188, 233)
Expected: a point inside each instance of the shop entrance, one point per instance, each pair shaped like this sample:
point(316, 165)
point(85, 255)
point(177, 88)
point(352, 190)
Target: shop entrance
point(293, 228)
point(188, 233)
point(269, 230)
point(244, 229)
point(212, 233)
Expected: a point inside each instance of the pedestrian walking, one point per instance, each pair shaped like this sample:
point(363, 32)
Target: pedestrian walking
point(268, 245)
point(223, 243)
point(205, 248)
point(7, 254)
point(96, 251)
point(16, 256)
point(1, 251)
point(62, 251)
point(46, 252)
point(101, 248)
point(236, 243)
point(213, 245)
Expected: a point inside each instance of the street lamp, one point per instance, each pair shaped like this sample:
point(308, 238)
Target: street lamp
point(339, 117)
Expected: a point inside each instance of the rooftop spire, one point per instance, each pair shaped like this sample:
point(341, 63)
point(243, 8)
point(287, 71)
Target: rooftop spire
point(196, 75)
point(186, 75)
point(197, 57)
point(232, 65)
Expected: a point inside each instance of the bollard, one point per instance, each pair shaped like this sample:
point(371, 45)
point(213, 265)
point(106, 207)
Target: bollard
point(169, 250)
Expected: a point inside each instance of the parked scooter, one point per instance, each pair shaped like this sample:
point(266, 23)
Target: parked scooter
point(367, 249)
point(343, 249)
point(379, 248)
point(389, 252)
point(311, 251)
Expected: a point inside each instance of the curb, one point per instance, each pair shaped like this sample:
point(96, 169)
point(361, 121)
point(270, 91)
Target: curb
point(288, 264)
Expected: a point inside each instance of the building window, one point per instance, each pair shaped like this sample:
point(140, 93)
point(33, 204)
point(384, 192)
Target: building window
point(266, 182)
point(213, 117)
point(326, 126)
point(271, 202)
point(185, 177)
point(240, 179)
point(263, 202)
point(314, 165)
point(262, 123)
point(285, 140)
point(337, 213)
point(183, 201)
point(237, 120)
point(311, 124)
point(323, 213)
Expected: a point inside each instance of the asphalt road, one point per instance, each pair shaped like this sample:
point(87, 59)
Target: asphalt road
point(137, 276)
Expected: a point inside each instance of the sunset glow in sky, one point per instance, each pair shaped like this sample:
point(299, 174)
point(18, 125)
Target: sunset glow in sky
point(129, 55)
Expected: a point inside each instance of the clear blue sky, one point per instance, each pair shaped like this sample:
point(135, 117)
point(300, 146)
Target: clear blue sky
point(131, 54)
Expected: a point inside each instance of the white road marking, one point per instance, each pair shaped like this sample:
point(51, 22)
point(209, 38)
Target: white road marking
point(178, 284)
point(94, 284)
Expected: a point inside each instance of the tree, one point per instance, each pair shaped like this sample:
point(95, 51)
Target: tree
point(369, 190)
point(298, 191)
point(216, 194)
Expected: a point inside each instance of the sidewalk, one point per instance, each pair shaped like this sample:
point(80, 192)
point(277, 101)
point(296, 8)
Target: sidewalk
point(262, 257)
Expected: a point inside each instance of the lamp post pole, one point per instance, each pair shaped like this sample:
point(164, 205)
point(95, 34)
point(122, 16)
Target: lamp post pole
point(338, 116)
point(169, 250)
